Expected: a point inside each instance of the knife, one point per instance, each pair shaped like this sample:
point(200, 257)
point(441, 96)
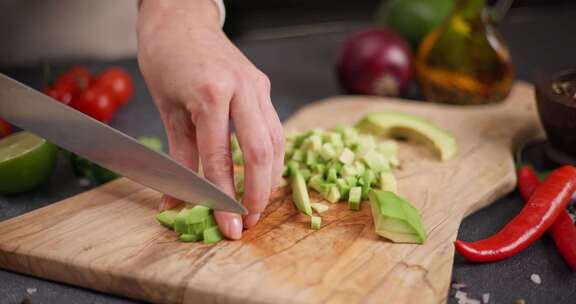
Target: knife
point(89, 138)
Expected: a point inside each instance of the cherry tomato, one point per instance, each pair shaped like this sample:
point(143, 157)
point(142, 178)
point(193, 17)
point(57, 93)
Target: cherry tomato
point(5, 128)
point(78, 77)
point(117, 81)
point(65, 92)
point(97, 103)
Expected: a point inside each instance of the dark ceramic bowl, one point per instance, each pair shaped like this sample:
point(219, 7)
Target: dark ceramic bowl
point(556, 100)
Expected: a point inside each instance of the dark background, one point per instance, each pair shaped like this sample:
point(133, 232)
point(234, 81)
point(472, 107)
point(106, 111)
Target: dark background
point(295, 42)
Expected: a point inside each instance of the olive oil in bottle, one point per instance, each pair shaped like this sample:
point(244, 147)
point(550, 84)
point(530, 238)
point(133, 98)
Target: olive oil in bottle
point(465, 60)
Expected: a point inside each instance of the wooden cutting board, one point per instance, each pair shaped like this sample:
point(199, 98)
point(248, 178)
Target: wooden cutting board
point(107, 238)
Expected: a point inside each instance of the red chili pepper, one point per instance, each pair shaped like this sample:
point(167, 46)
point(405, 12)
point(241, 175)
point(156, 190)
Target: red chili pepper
point(5, 128)
point(563, 231)
point(542, 209)
point(528, 181)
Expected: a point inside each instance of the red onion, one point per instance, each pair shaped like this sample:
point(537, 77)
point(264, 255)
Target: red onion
point(375, 61)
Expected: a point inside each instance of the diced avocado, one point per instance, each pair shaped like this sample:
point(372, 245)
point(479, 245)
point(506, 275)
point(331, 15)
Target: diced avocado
point(319, 208)
point(360, 167)
point(293, 166)
point(365, 143)
point(365, 191)
point(350, 135)
point(311, 158)
point(335, 164)
point(388, 182)
point(368, 178)
point(300, 193)
point(198, 214)
point(343, 187)
point(181, 220)
point(299, 139)
point(328, 151)
point(334, 138)
point(298, 155)
point(239, 183)
point(332, 175)
point(353, 206)
point(349, 170)
point(152, 142)
point(190, 237)
point(237, 157)
point(331, 193)
point(210, 221)
point(319, 168)
point(395, 218)
point(167, 217)
point(352, 181)
point(317, 182)
point(312, 143)
point(289, 146)
point(375, 161)
point(354, 198)
point(347, 156)
point(315, 222)
point(396, 124)
point(306, 174)
point(355, 194)
point(388, 147)
point(212, 235)
point(196, 228)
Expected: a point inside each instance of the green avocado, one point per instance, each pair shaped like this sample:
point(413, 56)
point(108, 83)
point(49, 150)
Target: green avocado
point(402, 125)
point(299, 191)
point(167, 217)
point(413, 19)
point(395, 218)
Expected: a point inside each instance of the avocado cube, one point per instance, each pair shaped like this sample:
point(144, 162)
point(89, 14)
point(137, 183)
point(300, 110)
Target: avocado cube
point(167, 218)
point(347, 156)
point(190, 237)
point(212, 235)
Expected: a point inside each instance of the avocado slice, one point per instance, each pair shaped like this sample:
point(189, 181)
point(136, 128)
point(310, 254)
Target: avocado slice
point(395, 218)
point(396, 124)
point(299, 191)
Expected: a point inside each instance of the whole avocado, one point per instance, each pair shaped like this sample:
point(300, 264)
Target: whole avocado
point(413, 19)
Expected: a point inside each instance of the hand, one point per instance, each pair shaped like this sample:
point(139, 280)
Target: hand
point(200, 81)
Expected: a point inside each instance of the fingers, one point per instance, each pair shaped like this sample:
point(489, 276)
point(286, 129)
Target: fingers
point(168, 202)
point(274, 129)
point(254, 138)
point(182, 144)
point(212, 132)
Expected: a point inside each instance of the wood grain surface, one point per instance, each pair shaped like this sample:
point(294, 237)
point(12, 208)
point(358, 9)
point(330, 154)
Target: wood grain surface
point(107, 238)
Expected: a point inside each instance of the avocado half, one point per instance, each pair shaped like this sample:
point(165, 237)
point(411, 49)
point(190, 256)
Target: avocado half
point(401, 125)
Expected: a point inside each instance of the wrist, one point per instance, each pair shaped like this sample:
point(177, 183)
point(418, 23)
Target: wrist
point(154, 14)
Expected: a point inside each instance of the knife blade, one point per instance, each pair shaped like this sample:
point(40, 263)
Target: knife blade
point(89, 138)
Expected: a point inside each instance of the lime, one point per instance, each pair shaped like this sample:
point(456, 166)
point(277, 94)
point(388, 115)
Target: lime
point(26, 161)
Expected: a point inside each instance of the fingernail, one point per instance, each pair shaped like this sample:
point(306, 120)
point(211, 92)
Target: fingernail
point(234, 228)
point(162, 205)
point(251, 220)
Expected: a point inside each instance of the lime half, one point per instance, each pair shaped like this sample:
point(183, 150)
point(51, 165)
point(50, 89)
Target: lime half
point(26, 161)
